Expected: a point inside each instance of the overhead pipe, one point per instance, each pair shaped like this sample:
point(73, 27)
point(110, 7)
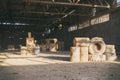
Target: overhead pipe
point(70, 4)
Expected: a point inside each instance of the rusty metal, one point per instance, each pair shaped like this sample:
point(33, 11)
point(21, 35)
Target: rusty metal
point(71, 4)
point(56, 13)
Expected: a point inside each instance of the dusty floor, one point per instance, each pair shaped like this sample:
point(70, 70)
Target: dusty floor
point(54, 66)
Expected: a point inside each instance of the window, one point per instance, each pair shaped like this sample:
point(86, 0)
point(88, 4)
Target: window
point(118, 0)
point(118, 3)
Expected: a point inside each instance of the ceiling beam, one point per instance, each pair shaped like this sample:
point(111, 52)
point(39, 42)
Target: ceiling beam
point(69, 4)
point(34, 19)
point(56, 13)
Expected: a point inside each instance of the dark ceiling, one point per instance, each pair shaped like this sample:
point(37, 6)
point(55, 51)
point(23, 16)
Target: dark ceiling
point(39, 14)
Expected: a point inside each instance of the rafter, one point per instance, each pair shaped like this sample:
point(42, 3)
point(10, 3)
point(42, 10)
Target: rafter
point(70, 4)
point(56, 13)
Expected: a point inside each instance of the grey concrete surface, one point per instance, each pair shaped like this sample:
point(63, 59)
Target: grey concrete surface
point(55, 66)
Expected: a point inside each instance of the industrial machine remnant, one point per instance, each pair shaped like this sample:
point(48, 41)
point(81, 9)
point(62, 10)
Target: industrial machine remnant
point(30, 45)
point(51, 44)
point(85, 50)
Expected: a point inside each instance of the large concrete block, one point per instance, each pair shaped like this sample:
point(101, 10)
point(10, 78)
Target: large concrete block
point(81, 41)
point(110, 53)
point(84, 54)
point(75, 54)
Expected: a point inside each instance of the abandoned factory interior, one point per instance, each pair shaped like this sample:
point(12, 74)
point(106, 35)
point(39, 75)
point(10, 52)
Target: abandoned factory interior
point(59, 39)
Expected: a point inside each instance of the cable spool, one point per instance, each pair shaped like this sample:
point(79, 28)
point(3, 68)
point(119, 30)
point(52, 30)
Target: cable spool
point(81, 41)
point(110, 52)
point(75, 54)
point(97, 46)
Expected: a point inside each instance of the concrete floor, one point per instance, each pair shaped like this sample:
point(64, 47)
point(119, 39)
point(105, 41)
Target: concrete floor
point(54, 66)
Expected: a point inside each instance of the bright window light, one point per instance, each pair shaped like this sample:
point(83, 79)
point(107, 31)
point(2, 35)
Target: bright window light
point(118, 0)
point(17, 24)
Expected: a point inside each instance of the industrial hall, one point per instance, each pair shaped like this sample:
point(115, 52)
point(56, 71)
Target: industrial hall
point(59, 40)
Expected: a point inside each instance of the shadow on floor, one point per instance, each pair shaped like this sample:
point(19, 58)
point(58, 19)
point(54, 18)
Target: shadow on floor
point(58, 58)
